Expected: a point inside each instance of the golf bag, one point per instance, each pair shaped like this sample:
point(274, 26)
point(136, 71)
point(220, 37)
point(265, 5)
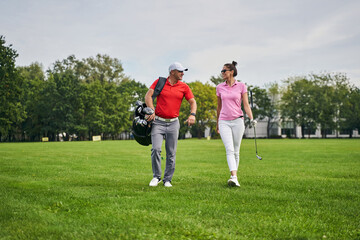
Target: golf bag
point(141, 128)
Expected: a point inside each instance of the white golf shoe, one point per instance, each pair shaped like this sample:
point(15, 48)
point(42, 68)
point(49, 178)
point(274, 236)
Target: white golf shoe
point(154, 182)
point(233, 182)
point(167, 184)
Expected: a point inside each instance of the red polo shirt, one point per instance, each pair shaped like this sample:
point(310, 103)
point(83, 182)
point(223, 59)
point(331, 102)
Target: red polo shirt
point(169, 100)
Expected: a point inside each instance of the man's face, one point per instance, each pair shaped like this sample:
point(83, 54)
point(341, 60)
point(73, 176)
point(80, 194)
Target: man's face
point(178, 75)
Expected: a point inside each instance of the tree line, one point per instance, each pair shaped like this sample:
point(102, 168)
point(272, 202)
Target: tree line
point(78, 99)
point(325, 100)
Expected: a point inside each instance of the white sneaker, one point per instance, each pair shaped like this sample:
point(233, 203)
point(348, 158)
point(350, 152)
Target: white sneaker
point(154, 182)
point(167, 184)
point(233, 182)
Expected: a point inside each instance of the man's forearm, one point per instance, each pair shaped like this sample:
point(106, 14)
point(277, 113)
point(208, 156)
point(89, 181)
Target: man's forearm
point(193, 106)
point(148, 99)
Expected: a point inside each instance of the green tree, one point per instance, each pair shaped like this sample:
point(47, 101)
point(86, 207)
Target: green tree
point(317, 100)
point(93, 117)
point(340, 87)
point(111, 107)
point(34, 83)
point(115, 103)
point(216, 80)
point(273, 91)
point(350, 111)
point(263, 107)
point(299, 103)
point(12, 113)
point(102, 68)
point(130, 91)
point(260, 100)
point(103, 107)
point(205, 96)
point(331, 90)
point(67, 105)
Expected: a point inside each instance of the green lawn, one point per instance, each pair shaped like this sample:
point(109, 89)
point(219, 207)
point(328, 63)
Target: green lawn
point(302, 189)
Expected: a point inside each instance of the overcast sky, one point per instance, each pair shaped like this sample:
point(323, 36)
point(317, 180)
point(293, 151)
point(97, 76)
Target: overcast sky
point(270, 39)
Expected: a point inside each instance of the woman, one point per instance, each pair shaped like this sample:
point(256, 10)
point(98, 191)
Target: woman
point(230, 117)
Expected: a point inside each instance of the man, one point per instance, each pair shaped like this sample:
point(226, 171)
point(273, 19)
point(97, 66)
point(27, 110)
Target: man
point(166, 123)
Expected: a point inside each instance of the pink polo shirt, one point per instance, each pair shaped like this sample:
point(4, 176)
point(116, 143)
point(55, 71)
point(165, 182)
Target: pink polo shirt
point(230, 100)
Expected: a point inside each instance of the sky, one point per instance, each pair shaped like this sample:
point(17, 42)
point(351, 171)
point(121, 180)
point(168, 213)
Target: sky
point(270, 40)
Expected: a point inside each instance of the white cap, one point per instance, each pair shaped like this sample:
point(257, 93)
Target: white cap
point(177, 66)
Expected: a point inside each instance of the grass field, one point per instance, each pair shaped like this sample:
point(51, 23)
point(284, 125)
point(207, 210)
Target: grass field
point(302, 189)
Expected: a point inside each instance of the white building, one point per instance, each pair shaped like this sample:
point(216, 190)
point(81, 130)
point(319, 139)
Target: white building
point(289, 130)
point(286, 131)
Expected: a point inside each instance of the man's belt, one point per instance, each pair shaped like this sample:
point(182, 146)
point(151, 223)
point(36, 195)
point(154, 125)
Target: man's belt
point(166, 119)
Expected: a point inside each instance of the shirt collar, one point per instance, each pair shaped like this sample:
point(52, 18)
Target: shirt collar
point(168, 82)
point(235, 83)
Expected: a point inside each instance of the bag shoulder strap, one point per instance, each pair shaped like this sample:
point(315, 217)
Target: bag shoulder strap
point(159, 87)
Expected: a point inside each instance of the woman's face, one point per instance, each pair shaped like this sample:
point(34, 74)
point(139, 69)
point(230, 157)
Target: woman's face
point(226, 73)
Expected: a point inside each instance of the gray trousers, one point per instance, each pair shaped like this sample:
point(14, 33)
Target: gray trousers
point(159, 131)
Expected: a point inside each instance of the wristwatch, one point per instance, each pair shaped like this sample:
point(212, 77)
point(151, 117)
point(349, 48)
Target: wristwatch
point(193, 114)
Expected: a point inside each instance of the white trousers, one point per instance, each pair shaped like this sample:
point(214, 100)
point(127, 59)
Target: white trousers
point(231, 133)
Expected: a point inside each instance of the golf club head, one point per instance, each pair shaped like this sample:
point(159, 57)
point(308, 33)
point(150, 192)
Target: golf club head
point(138, 103)
point(260, 158)
point(148, 111)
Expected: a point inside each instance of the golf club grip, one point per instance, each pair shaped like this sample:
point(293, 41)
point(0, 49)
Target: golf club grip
point(251, 99)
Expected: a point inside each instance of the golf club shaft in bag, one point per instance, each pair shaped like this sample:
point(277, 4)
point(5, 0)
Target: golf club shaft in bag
point(252, 107)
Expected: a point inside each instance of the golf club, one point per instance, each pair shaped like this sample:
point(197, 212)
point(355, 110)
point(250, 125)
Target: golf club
point(252, 106)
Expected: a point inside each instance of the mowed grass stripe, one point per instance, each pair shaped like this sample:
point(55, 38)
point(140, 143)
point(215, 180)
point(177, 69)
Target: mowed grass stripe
point(302, 189)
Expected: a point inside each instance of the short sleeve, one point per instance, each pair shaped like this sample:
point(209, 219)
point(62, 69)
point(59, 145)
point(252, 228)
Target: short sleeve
point(188, 93)
point(217, 92)
point(244, 89)
point(154, 84)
